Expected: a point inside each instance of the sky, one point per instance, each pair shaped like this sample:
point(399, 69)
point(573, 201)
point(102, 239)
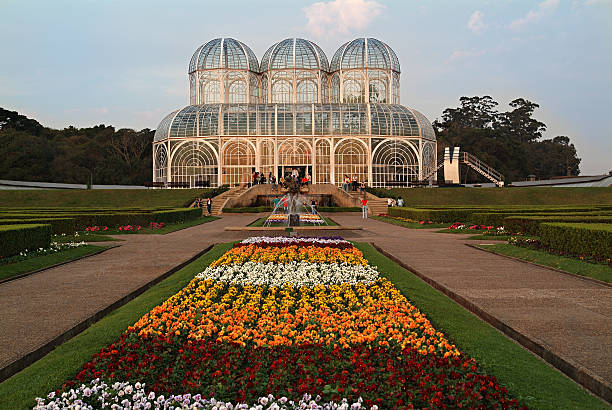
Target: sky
point(124, 63)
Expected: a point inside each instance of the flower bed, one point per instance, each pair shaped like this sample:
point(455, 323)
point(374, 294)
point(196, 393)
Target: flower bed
point(286, 317)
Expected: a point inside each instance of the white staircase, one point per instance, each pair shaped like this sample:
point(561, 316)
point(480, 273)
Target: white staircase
point(482, 168)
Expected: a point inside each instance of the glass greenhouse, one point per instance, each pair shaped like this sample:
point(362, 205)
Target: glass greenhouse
point(294, 110)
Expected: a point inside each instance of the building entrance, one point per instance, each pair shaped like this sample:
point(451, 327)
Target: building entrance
point(302, 170)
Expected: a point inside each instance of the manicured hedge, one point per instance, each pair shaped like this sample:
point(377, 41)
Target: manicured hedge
point(179, 215)
point(530, 224)
point(497, 218)
point(578, 238)
point(58, 225)
point(435, 215)
point(17, 238)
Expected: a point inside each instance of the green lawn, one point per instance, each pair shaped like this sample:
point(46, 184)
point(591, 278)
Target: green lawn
point(596, 271)
point(64, 362)
point(261, 221)
point(527, 378)
point(118, 198)
point(413, 225)
point(35, 263)
point(489, 237)
point(168, 228)
point(83, 236)
point(499, 196)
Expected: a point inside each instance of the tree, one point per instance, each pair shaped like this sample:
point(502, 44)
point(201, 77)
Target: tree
point(519, 124)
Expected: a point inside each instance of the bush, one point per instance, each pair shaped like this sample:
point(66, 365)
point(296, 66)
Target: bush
point(530, 224)
point(17, 238)
point(497, 218)
point(58, 225)
point(578, 238)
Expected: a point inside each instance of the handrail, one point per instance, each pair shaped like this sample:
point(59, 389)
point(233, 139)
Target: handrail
point(481, 167)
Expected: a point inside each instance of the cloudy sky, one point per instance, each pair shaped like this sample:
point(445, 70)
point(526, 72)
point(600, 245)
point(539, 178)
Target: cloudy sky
point(124, 63)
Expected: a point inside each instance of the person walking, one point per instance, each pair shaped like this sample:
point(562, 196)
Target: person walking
point(364, 208)
point(362, 187)
point(209, 206)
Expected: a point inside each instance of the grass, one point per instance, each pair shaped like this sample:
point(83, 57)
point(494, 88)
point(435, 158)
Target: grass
point(83, 236)
point(261, 221)
point(592, 270)
point(499, 196)
point(413, 225)
point(48, 373)
point(40, 262)
point(148, 198)
point(489, 237)
point(168, 228)
point(526, 377)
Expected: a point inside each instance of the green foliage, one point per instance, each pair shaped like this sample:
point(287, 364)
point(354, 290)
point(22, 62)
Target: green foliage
point(104, 198)
point(530, 224)
point(338, 209)
point(578, 238)
point(508, 141)
point(434, 215)
point(44, 261)
point(485, 197)
point(177, 215)
point(58, 225)
point(32, 152)
point(16, 238)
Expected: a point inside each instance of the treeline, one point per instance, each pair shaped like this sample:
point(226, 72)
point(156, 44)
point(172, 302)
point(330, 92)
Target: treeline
point(511, 141)
point(31, 152)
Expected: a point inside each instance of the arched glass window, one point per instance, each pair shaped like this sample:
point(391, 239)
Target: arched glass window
point(281, 91)
point(394, 164)
point(378, 91)
point(237, 92)
point(353, 91)
point(211, 92)
point(307, 92)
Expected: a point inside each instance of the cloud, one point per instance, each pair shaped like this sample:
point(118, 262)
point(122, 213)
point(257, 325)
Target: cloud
point(475, 23)
point(536, 14)
point(593, 2)
point(458, 55)
point(340, 16)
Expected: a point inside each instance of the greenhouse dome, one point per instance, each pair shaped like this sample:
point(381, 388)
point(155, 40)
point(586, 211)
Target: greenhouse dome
point(294, 111)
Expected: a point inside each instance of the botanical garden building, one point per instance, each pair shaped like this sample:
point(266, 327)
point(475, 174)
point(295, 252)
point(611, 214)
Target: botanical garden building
point(295, 109)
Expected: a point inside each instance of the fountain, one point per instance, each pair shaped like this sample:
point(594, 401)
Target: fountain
point(292, 209)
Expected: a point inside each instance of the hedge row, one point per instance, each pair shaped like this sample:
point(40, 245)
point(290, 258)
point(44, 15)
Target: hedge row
point(435, 215)
point(17, 238)
point(578, 238)
point(498, 218)
point(58, 225)
point(85, 219)
point(530, 224)
point(179, 215)
point(248, 209)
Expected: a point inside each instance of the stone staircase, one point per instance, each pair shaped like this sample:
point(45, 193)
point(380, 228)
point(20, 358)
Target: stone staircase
point(221, 200)
point(376, 205)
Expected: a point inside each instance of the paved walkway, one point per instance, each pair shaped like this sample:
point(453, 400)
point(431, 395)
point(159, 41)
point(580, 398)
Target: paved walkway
point(38, 308)
point(572, 317)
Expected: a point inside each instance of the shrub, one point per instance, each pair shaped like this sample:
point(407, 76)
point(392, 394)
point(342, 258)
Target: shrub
point(249, 209)
point(435, 215)
point(17, 238)
point(530, 224)
point(578, 238)
point(58, 225)
point(338, 209)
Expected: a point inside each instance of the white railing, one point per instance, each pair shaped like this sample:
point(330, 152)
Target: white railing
point(482, 168)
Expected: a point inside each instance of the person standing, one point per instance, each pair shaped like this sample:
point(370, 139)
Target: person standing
point(364, 208)
point(400, 201)
point(209, 205)
point(362, 187)
point(276, 201)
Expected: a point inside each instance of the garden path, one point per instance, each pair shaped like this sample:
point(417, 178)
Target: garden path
point(40, 307)
point(569, 316)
